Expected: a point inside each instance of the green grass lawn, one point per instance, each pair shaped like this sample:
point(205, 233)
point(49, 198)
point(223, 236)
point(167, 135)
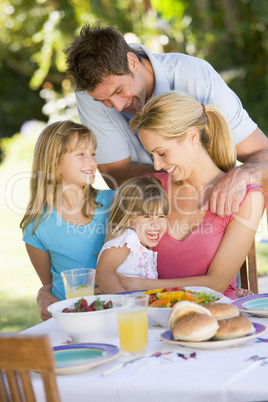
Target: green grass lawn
point(19, 283)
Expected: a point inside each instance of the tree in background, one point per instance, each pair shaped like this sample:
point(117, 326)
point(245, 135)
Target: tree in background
point(230, 34)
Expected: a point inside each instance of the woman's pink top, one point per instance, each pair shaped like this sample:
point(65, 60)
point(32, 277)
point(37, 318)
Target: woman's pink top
point(193, 256)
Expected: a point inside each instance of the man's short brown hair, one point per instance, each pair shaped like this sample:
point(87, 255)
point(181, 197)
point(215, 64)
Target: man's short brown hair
point(95, 55)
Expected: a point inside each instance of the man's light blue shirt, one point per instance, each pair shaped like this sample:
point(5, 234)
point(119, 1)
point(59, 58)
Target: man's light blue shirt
point(173, 71)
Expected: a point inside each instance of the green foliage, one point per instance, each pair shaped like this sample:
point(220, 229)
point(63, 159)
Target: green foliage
point(18, 102)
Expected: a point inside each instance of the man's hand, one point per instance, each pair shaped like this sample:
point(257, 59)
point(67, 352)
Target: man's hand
point(228, 193)
point(44, 299)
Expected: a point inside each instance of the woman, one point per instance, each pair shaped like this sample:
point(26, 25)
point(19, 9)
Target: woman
point(192, 144)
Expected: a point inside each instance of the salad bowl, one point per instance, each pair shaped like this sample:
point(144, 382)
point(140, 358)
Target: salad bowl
point(160, 314)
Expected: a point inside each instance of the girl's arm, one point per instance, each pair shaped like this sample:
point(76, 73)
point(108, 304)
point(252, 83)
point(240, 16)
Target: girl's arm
point(40, 260)
point(106, 268)
point(229, 257)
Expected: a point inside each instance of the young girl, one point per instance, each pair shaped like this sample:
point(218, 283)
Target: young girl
point(192, 144)
point(65, 223)
point(137, 223)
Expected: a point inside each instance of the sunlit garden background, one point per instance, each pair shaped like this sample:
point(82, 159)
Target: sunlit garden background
point(231, 35)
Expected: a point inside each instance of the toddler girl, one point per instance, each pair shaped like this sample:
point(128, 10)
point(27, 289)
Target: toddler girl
point(136, 224)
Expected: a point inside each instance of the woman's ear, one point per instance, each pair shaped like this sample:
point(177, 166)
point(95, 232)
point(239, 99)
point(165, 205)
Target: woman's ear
point(133, 62)
point(193, 135)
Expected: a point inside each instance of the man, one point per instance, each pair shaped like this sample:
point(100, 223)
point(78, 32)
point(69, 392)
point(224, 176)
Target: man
point(114, 80)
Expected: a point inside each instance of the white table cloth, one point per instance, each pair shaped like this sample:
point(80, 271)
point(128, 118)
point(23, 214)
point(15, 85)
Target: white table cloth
point(169, 372)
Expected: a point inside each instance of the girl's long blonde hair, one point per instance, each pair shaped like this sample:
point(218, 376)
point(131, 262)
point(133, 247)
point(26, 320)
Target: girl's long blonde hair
point(54, 142)
point(171, 114)
point(136, 196)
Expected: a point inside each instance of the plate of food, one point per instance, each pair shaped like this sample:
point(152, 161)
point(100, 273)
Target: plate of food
point(162, 300)
point(75, 358)
point(211, 326)
point(256, 305)
point(215, 344)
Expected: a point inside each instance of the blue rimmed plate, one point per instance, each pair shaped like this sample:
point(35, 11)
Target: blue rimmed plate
point(213, 345)
point(75, 358)
point(256, 305)
point(130, 292)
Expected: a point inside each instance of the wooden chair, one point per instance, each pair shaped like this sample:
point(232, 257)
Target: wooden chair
point(19, 355)
point(248, 270)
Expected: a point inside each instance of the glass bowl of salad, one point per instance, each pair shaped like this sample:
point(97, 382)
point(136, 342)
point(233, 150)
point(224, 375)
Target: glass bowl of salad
point(162, 300)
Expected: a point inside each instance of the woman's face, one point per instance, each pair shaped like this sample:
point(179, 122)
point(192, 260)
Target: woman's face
point(175, 157)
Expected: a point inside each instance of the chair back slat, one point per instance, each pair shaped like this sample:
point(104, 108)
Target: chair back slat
point(25, 378)
point(14, 387)
point(3, 391)
point(50, 386)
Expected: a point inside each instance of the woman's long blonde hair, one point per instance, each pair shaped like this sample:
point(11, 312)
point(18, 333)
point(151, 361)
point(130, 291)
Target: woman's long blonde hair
point(171, 114)
point(136, 196)
point(54, 142)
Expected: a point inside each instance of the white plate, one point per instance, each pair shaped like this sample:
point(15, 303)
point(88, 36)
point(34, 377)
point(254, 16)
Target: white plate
point(160, 314)
point(75, 358)
point(212, 345)
point(256, 305)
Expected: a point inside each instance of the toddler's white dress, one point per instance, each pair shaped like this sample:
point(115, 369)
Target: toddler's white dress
point(141, 262)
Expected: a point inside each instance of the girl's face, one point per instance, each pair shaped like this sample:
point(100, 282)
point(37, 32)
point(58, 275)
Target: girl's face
point(175, 157)
point(149, 228)
point(78, 167)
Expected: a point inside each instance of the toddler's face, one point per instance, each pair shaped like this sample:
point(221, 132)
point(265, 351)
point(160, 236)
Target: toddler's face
point(149, 228)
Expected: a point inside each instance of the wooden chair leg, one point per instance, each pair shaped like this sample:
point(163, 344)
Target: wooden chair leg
point(252, 272)
point(244, 275)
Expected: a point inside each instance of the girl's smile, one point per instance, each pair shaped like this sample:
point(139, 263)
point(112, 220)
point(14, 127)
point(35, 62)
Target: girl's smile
point(78, 167)
point(149, 228)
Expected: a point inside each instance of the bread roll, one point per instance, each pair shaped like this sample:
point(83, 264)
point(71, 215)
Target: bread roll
point(234, 328)
point(195, 328)
point(182, 308)
point(221, 311)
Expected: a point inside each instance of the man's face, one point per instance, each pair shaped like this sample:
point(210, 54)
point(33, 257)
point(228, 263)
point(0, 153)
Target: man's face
point(122, 92)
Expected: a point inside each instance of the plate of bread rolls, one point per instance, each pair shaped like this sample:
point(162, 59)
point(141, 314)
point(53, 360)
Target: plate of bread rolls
point(211, 326)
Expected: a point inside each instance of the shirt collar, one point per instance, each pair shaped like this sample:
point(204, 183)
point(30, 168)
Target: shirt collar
point(161, 81)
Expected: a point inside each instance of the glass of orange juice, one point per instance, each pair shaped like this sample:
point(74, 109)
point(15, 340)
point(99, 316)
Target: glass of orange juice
point(132, 322)
point(78, 282)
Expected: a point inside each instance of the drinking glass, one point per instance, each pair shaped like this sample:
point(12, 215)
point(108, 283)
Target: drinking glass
point(132, 322)
point(78, 282)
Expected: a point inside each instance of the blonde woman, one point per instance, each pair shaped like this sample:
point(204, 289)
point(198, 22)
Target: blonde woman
point(137, 223)
point(65, 223)
point(192, 144)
